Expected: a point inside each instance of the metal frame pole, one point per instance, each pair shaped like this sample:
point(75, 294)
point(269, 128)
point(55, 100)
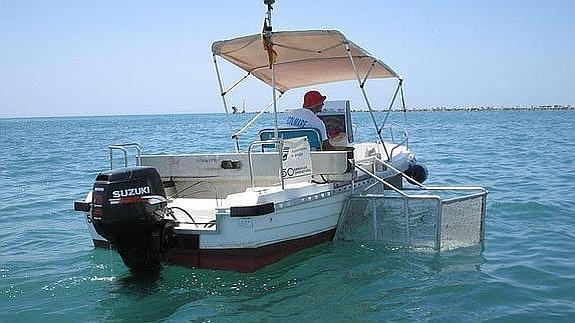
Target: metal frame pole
point(404, 109)
point(361, 86)
point(279, 146)
point(249, 123)
point(402, 96)
point(390, 105)
point(269, 20)
point(223, 95)
point(240, 80)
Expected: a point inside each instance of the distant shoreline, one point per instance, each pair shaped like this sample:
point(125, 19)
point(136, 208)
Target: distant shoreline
point(554, 107)
point(481, 108)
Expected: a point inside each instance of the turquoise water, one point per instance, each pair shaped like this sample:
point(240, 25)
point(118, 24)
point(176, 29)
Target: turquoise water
point(50, 271)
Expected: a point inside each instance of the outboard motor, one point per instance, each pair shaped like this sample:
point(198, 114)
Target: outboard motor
point(128, 209)
point(417, 172)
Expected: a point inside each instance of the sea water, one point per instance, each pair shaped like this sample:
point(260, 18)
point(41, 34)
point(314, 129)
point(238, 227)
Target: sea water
point(49, 270)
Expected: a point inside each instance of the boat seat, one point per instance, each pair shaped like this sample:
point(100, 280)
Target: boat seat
point(312, 134)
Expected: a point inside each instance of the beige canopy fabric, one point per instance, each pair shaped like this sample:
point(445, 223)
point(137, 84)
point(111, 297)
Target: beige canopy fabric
point(304, 58)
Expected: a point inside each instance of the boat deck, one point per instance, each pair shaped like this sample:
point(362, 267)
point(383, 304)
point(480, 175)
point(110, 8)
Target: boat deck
point(195, 214)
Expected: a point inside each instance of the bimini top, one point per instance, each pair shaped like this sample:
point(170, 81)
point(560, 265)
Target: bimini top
point(303, 58)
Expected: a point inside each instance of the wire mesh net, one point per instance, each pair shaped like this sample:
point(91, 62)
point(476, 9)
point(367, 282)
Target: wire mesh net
point(462, 223)
point(418, 222)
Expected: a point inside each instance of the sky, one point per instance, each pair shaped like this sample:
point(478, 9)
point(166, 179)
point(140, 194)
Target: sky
point(109, 57)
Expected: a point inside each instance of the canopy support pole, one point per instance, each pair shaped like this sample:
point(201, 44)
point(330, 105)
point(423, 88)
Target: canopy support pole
point(236, 83)
point(268, 37)
point(247, 125)
point(361, 86)
point(391, 105)
point(276, 134)
point(234, 138)
point(223, 95)
point(404, 109)
point(367, 74)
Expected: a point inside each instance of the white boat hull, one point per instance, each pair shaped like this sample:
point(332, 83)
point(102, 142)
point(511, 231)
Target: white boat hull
point(303, 215)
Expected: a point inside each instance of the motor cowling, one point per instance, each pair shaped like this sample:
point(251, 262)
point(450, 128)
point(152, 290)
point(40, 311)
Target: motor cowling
point(417, 172)
point(128, 209)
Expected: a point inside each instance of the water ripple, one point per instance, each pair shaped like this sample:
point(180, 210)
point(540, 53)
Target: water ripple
point(50, 271)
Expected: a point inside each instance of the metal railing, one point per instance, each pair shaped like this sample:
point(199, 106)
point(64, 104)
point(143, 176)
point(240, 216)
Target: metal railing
point(404, 141)
point(418, 184)
point(380, 180)
point(122, 148)
point(278, 143)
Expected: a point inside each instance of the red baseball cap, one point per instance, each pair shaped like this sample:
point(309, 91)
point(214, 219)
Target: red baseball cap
point(312, 98)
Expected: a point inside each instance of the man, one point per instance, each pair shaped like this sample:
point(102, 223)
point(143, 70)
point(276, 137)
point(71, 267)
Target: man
point(306, 117)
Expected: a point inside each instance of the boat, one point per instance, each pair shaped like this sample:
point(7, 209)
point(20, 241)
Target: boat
point(251, 207)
